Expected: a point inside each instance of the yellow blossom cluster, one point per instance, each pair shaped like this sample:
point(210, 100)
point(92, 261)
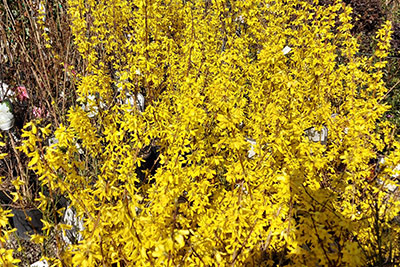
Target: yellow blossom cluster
point(235, 93)
point(6, 255)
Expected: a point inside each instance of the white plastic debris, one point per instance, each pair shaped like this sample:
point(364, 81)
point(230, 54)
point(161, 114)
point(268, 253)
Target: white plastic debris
point(4, 92)
point(140, 102)
point(251, 153)
point(73, 235)
point(286, 50)
point(91, 106)
point(79, 148)
point(391, 187)
point(346, 130)
point(42, 263)
point(129, 100)
point(317, 136)
point(334, 115)
point(240, 19)
point(52, 141)
point(138, 210)
point(397, 171)
point(6, 117)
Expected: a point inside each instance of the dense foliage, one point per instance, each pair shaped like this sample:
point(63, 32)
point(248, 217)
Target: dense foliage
point(367, 16)
point(234, 90)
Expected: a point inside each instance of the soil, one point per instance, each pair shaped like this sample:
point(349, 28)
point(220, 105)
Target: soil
point(29, 252)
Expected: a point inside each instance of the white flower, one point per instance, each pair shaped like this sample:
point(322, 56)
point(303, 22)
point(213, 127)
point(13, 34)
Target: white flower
point(286, 50)
point(6, 117)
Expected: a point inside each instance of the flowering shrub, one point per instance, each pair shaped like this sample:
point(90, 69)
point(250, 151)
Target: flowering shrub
point(367, 16)
point(216, 74)
point(6, 255)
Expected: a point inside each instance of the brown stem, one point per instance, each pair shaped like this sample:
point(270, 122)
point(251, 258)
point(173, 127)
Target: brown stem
point(24, 177)
point(236, 255)
point(320, 241)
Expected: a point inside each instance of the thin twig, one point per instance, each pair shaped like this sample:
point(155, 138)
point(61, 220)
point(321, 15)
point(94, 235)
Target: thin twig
point(22, 173)
point(380, 100)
